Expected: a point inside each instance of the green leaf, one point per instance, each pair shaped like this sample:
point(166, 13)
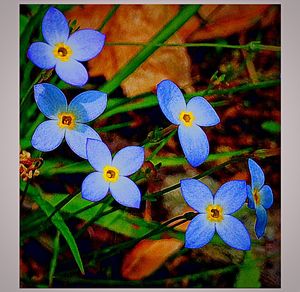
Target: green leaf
point(271, 126)
point(58, 221)
point(249, 274)
point(56, 247)
point(23, 22)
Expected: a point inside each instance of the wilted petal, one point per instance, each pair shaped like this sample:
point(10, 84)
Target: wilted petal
point(55, 27)
point(50, 100)
point(234, 233)
point(88, 105)
point(196, 194)
point(231, 196)
point(171, 100)
point(129, 159)
point(126, 192)
point(41, 55)
point(199, 232)
point(203, 112)
point(94, 187)
point(86, 44)
point(77, 138)
point(72, 72)
point(261, 221)
point(194, 144)
point(266, 196)
point(257, 175)
point(47, 136)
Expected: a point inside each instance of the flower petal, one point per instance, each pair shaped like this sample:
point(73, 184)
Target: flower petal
point(40, 54)
point(257, 175)
point(94, 187)
point(88, 105)
point(47, 136)
point(200, 231)
point(55, 27)
point(204, 113)
point(50, 100)
point(129, 159)
point(171, 100)
point(72, 72)
point(261, 221)
point(266, 196)
point(77, 138)
point(251, 204)
point(196, 194)
point(234, 233)
point(126, 192)
point(231, 196)
point(98, 154)
point(86, 44)
point(194, 144)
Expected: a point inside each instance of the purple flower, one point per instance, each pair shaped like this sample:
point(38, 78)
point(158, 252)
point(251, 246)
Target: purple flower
point(64, 52)
point(215, 214)
point(66, 120)
point(260, 197)
point(111, 173)
point(197, 112)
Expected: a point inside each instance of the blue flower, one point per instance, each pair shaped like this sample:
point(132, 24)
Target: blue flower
point(215, 214)
point(111, 173)
point(64, 52)
point(260, 197)
point(66, 120)
point(197, 112)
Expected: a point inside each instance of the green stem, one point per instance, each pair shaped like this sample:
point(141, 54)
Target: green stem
point(165, 33)
point(53, 263)
point(108, 17)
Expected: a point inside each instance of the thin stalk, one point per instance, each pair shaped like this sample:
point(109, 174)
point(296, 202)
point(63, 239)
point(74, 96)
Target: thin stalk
point(53, 263)
point(108, 16)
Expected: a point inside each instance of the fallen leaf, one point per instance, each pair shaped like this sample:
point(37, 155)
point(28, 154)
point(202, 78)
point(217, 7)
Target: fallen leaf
point(147, 256)
point(138, 23)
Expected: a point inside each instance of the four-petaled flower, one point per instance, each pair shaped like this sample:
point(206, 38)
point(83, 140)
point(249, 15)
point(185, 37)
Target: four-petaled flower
point(111, 174)
point(197, 112)
point(260, 197)
point(66, 120)
point(64, 52)
point(215, 213)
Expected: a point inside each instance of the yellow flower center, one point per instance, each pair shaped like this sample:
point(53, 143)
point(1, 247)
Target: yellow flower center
point(187, 118)
point(66, 120)
point(214, 213)
point(256, 196)
point(110, 173)
point(62, 52)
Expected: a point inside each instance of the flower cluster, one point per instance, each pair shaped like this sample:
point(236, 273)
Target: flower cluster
point(64, 52)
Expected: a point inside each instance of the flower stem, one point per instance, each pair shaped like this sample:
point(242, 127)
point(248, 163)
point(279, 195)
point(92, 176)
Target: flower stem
point(108, 17)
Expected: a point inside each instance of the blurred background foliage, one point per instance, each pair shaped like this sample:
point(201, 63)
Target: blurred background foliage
point(228, 53)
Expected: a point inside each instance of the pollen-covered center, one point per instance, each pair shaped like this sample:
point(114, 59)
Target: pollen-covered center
point(66, 120)
point(187, 118)
point(214, 213)
point(62, 52)
point(110, 173)
point(256, 196)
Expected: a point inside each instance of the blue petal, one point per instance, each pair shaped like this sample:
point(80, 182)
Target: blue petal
point(72, 72)
point(194, 144)
point(50, 100)
point(126, 192)
point(55, 27)
point(203, 112)
point(98, 154)
point(234, 233)
point(199, 232)
point(129, 159)
point(196, 194)
point(231, 196)
point(94, 187)
point(88, 105)
point(251, 203)
point(171, 100)
point(47, 136)
point(266, 196)
point(261, 221)
point(86, 44)
point(40, 54)
point(77, 138)
point(257, 175)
